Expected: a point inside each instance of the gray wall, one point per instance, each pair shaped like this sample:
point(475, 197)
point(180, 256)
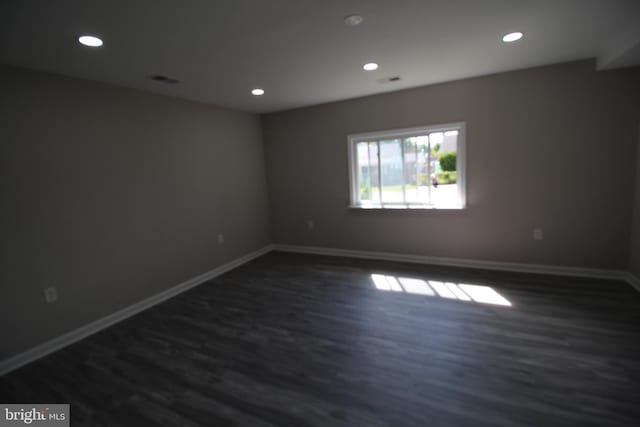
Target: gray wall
point(634, 255)
point(550, 147)
point(113, 195)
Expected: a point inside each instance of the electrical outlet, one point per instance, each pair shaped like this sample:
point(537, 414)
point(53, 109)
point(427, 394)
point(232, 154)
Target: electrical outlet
point(537, 234)
point(51, 295)
point(310, 224)
point(220, 239)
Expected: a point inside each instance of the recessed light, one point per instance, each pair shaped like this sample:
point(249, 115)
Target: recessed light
point(511, 37)
point(370, 66)
point(353, 20)
point(91, 41)
point(257, 92)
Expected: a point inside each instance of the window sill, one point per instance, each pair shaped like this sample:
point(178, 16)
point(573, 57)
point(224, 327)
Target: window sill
point(410, 208)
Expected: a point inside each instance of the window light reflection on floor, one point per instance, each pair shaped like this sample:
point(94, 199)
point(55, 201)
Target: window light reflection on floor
point(463, 292)
point(414, 286)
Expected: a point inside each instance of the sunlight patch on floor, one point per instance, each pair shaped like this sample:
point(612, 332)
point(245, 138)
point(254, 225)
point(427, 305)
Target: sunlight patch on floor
point(449, 290)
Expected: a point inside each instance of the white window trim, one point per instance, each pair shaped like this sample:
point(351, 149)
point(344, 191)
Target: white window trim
point(461, 164)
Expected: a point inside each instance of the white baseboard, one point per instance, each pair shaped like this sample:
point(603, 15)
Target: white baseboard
point(71, 337)
point(633, 281)
point(62, 341)
point(460, 262)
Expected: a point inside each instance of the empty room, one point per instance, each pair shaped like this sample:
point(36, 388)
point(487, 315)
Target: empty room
point(320, 213)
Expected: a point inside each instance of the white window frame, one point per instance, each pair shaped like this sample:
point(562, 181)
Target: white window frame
point(461, 166)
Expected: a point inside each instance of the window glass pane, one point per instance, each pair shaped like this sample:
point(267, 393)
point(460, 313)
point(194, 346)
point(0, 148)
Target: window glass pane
point(422, 167)
point(411, 169)
point(410, 172)
point(373, 169)
point(444, 151)
point(391, 169)
point(364, 172)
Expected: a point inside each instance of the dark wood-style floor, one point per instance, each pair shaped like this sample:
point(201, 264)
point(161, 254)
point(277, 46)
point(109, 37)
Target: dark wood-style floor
point(302, 340)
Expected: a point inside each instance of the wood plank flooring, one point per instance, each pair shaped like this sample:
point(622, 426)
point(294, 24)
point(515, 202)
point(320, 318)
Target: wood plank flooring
point(304, 340)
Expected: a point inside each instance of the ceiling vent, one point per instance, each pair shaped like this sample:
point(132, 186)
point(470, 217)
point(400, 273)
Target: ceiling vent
point(389, 79)
point(164, 79)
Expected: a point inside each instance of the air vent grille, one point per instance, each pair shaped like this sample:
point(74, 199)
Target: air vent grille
point(389, 79)
point(164, 79)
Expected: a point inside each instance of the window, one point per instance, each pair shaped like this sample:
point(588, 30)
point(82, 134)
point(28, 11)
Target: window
point(417, 168)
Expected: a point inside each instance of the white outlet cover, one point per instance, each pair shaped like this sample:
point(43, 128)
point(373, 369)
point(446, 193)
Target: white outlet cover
point(220, 239)
point(537, 234)
point(51, 294)
point(310, 224)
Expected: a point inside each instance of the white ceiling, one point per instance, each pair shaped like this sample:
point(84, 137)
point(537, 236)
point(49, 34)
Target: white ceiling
point(300, 51)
